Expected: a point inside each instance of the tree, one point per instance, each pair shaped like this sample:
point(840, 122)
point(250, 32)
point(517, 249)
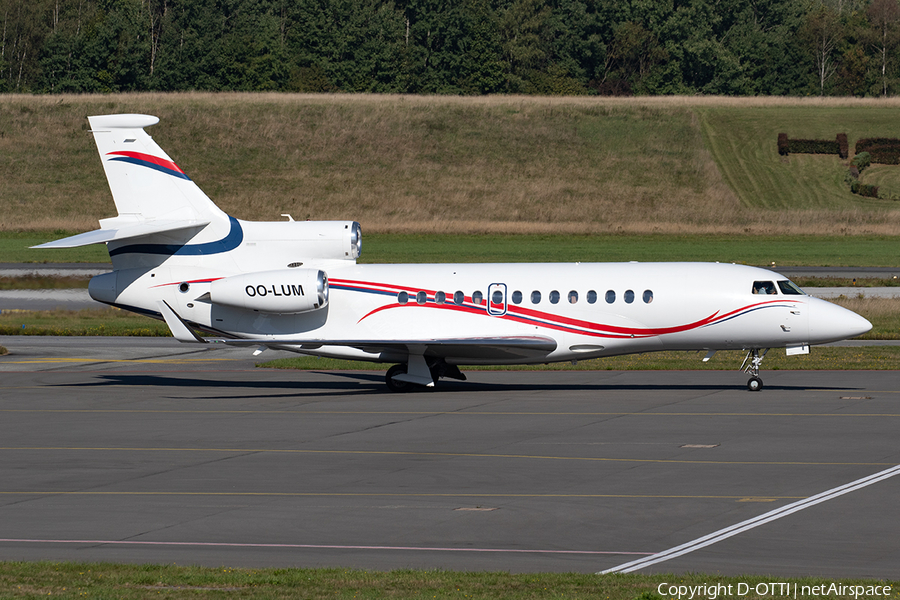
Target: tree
point(631, 54)
point(453, 47)
point(24, 25)
point(884, 16)
point(823, 33)
point(525, 33)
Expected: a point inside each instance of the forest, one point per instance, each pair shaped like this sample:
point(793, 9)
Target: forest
point(462, 47)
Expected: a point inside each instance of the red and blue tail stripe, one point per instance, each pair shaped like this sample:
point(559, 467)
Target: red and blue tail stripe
point(148, 160)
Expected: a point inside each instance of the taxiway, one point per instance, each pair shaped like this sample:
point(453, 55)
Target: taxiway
point(150, 451)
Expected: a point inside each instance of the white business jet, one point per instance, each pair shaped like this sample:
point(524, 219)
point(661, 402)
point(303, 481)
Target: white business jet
point(296, 286)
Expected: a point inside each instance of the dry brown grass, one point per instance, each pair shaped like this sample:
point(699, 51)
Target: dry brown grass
point(413, 164)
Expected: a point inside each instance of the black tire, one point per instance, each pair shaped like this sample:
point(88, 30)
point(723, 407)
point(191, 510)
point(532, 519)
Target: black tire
point(393, 384)
point(755, 384)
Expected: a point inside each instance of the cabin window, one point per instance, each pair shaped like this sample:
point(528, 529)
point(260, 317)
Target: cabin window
point(648, 296)
point(477, 297)
point(610, 296)
point(591, 297)
point(554, 297)
point(402, 298)
point(629, 296)
point(535, 297)
point(459, 297)
point(517, 297)
point(421, 297)
point(764, 287)
point(573, 297)
point(440, 297)
point(790, 288)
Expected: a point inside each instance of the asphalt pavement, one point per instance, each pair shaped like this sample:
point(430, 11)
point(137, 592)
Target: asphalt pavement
point(137, 450)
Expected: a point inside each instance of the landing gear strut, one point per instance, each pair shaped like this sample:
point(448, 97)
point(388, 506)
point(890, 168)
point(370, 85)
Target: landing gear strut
point(751, 365)
point(437, 369)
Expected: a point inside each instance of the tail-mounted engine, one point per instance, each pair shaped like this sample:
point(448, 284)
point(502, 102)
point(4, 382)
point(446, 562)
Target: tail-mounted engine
point(298, 241)
point(286, 291)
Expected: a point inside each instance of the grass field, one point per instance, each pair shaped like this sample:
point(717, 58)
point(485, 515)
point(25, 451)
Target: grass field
point(764, 250)
point(105, 321)
point(743, 143)
point(73, 580)
point(457, 165)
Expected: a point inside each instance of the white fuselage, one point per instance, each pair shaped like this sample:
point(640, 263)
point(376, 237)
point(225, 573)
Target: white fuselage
point(589, 309)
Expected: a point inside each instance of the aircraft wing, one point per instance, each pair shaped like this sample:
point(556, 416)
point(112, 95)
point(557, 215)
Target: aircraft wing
point(498, 348)
point(471, 348)
point(124, 232)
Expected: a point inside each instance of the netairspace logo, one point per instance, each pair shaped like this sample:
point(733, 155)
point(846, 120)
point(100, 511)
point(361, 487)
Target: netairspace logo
point(770, 590)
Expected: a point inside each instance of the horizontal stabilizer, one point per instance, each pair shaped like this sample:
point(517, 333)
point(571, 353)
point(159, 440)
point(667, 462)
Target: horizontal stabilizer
point(115, 234)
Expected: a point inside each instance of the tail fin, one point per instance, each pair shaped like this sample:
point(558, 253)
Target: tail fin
point(152, 194)
point(145, 183)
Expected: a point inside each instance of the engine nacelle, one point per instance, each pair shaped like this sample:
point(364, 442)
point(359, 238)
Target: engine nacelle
point(286, 291)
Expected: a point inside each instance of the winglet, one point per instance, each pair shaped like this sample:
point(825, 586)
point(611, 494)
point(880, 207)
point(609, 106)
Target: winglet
point(176, 324)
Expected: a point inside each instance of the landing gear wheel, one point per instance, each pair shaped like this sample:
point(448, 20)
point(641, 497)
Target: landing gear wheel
point(395, 385)
point(751, 365)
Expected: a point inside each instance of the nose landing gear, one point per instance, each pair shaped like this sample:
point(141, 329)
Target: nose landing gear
point(751, 365)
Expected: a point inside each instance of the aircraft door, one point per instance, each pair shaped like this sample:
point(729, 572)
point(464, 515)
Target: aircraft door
point(496, 299)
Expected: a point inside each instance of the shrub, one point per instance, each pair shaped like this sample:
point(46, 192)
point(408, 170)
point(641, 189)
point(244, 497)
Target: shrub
point(885, 151)
point(861, 161)
point(813, 146)
point(843, 146)
point(783, 144)
point(885, 155)
point(862, 145)
point(869, 191)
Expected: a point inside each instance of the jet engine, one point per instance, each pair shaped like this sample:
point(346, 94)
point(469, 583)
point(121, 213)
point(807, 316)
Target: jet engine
point(285, 291)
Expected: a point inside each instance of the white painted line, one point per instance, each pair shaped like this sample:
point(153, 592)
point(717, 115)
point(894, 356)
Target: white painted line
point(728, 532)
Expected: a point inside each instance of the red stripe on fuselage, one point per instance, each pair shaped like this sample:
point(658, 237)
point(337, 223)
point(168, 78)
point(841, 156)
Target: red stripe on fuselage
point(545, 319)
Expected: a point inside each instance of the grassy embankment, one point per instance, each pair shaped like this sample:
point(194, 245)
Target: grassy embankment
point(457, 165)
point(73, 580)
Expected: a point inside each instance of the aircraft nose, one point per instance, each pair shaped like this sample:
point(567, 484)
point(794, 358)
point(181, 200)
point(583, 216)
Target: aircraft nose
point(830, 323)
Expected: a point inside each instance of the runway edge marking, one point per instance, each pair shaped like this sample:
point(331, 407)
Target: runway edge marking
point(743, 526)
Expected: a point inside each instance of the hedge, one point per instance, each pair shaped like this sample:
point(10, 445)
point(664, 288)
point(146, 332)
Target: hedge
point(838, 146)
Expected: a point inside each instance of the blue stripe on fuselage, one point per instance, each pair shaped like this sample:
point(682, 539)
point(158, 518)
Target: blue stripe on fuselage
point(229, 242)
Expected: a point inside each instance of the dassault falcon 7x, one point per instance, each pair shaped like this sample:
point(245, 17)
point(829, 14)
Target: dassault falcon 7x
point(296, 286)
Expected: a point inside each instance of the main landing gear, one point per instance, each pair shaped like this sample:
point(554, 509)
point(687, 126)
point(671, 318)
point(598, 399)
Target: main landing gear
point(396, 385)
point(751, 365)
point(397, 379)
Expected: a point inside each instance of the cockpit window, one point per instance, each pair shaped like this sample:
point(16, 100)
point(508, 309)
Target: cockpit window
point(764, 287)
point(789, 287)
